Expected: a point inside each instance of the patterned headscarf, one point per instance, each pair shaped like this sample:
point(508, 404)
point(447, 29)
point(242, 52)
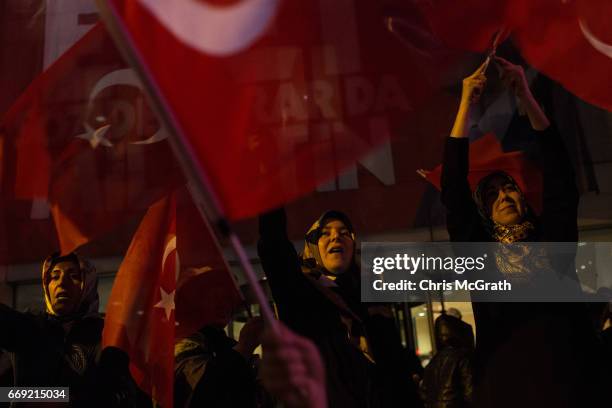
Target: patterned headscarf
point(522, 231)
point(90, 301)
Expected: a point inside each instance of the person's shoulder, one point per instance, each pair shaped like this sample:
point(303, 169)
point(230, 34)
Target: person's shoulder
point(195, 344)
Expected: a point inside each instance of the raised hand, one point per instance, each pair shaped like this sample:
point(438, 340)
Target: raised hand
point(513, 76)
point(474, 84)
point(292, 370)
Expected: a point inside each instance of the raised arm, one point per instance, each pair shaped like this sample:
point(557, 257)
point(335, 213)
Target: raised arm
point(17, 329)
point(560, 193)
point(470, 94)
point(281, 264)
point(514, 78)
point(461, 214)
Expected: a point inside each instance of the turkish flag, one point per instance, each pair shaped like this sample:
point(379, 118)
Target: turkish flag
point(275, 97)
point(206, 290)
point(571, 42)
point(83, 138)
point(172, 282)
point(486, 156)
point(140, 315)
point(469, 25)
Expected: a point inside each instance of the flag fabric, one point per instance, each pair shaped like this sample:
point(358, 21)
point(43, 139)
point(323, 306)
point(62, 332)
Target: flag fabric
point(172, 282)
point(486, 156)
point(140, 316)
point(82, 138)
point(206, 290)
point(275, 96)
point(467, 25)
point(571, 42)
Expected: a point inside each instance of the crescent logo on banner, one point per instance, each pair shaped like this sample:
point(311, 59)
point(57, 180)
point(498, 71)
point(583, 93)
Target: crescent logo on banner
point(214, 30)
point(599, 45)
point(97, 136)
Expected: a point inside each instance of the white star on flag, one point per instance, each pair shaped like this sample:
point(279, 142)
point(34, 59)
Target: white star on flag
point(96, 137)
point(166, 302)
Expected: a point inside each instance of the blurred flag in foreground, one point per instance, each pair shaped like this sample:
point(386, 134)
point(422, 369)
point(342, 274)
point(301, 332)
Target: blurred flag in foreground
point(275, 97)
point(569, 41)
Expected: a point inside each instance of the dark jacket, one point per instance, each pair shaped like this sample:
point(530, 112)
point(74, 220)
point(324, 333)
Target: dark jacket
point(209, 373)
point(334, 319)
point(526, 354)
point(42, 355)
point(447, 382)
point(45, 351)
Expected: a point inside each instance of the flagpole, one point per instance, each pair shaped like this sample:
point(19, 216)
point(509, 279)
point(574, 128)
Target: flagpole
point(201, 189)
point(493, 49)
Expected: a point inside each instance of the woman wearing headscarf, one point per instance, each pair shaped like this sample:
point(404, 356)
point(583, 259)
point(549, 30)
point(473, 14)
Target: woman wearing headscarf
point(61, 346)
point(317, 294)
point(526, 354)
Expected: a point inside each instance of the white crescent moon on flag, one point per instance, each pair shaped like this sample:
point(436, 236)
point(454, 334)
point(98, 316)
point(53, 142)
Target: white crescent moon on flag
point(604, 48)
point(128, 77)
point(171, 246)
point(214, 30)
point(119, 77)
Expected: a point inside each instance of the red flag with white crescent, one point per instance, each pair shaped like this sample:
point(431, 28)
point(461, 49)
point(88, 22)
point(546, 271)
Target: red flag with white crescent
point(83, 139)
point(571, 42)
point(275, 96)
point(172, 282)
point(140, 315)
point(568, 40)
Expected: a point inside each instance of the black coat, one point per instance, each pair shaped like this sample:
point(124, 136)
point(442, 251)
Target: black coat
point(210, 373)
point(46, 352)
point(447, 382)
point(526, 354)
point(353, 380)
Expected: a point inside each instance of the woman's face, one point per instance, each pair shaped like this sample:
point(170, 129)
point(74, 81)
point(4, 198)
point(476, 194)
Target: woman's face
point(336, 247)
point(65, 287)
point(504, 202)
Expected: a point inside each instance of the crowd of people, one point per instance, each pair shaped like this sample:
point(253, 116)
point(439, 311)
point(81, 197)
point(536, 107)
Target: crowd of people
point(331, 349)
